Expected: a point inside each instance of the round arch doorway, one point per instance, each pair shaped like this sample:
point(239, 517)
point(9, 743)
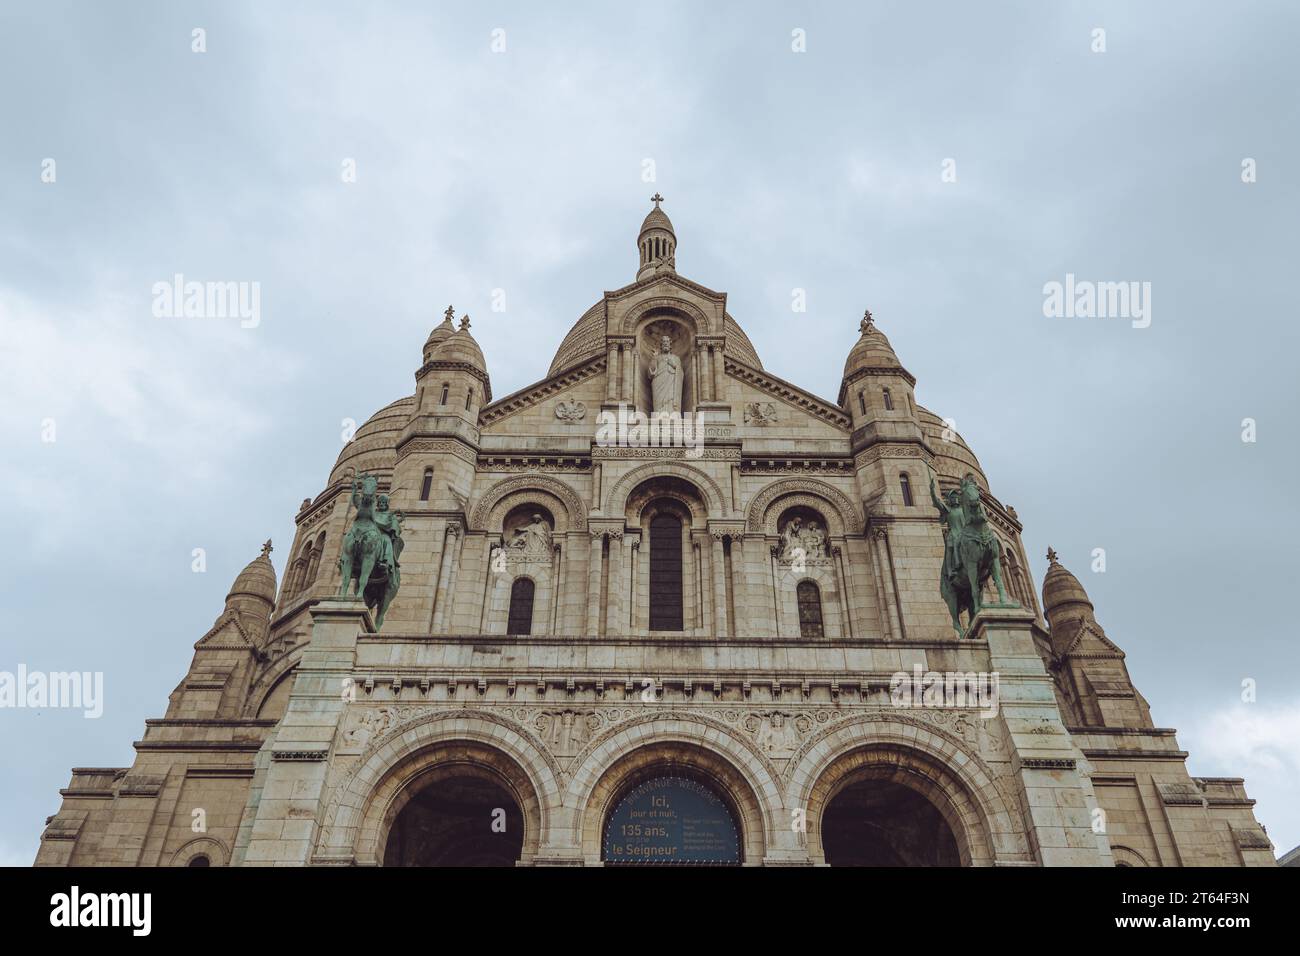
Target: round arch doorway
point(462, 817)
point(671, 820)
point(876, 822)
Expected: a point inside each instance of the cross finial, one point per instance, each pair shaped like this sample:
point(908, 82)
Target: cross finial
point(865, 325)
point(266, 548)
point(656, 199)
point(1051, 555)
point(450, 313)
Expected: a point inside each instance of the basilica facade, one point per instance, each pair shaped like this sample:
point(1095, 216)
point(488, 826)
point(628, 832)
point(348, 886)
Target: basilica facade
point(725, 645)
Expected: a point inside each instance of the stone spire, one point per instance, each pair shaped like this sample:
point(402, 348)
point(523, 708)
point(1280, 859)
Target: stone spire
point(252, 595)
point(1093, 676)
point(657, 242)
point(871, 356)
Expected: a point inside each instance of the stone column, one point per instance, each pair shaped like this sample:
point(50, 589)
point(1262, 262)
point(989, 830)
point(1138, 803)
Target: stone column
point(614, 620)
point(697, 373)
point(1053, 775)
point(718, 371)
point(557, 587)
point(719, 563)
point(593, 585)
point(631, 369)
point(611, 373)
point(884, 585)
point(289, 800)
point(442, 597)
point(842, 585)
point(634, 580)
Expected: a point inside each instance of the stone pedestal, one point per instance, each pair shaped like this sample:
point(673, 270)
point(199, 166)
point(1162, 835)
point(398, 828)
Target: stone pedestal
point(286, 803)
point(1056, 788)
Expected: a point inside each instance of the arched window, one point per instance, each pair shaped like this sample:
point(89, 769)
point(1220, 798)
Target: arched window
point(521, 607)
point(313, 565)
point(665, 572)
point(889, 401)
point(200, 860)
point(427, 485)
point(810, 610)
point(906, 484)
point(445, 389)
point(469, 399)
point(862, 402)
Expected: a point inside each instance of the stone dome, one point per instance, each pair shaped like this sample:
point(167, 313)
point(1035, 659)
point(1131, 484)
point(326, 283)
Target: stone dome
point(441, 332)
point(872, 350)
point(657, 219)
point(374, 446)
point(953, 458)
point(1061, 588)
point(256, 580)
point(460, 346)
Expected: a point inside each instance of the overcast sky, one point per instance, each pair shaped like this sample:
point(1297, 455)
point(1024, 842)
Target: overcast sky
point(523, 170)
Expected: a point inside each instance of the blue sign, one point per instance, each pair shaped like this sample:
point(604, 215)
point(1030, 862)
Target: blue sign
point(672, 820)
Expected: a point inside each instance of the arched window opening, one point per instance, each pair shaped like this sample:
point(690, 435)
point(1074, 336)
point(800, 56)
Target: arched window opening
point(521, 607)
point(445, 389)
point(810, 610)
point(313, 565)
point(889, 401)
point(862, 402)
point(200, 860)
point(469, 399)
point(906, 483)
point(426, 486)
point(665, 572)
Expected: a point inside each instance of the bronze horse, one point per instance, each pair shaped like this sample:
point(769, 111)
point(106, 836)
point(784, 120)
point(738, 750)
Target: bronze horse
point(972, 553)
point(368, 562)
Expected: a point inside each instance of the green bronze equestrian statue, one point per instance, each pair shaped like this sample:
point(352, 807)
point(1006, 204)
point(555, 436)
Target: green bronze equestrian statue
point(371, 549)
point(972, 552)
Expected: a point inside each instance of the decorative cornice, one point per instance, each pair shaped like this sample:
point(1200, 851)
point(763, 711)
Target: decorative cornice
point(435, 446)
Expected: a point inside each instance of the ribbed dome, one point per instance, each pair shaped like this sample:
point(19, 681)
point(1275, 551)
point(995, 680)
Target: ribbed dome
point(1060, 587)
point(872, 350)
point(657, 219)
point(953, 458)
point(374, 445)
point(257, 579)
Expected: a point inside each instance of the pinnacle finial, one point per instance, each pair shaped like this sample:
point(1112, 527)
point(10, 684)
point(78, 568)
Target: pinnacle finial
point(464, 322)
point(867, 322)
point(266, 548)
point(656, 199)
point(1051, 555)
point(450, 313)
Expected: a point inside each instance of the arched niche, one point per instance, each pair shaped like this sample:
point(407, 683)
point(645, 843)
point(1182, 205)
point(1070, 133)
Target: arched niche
point(674, 330)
